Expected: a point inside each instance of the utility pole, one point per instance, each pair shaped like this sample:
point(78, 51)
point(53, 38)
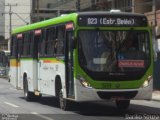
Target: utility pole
point(78, 5)
point(10, 22)
point(58, 10)
point(38, 17)
point(154, 25)
point(154, 10)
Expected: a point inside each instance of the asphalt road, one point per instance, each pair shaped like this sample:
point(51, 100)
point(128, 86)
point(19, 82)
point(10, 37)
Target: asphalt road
point(14, 107)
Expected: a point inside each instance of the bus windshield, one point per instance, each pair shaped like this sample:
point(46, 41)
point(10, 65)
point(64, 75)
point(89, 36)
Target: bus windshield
point(114, 52)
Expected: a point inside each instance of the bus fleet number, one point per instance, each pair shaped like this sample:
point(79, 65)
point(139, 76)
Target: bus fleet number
point(92, 21)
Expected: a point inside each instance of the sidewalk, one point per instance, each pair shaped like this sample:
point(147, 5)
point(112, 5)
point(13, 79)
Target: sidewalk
point(156, 96)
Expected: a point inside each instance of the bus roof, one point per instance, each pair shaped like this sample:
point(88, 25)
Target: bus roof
point(57, 20)
point(67, 18)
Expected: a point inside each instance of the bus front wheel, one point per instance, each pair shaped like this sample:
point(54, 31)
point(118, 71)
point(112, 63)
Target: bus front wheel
point(62, 101)
point(123, 104)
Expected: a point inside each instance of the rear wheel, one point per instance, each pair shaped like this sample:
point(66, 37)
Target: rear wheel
point(123, 104)
point(27, 95)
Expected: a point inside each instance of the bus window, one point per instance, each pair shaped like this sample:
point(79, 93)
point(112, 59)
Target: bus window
point(36, 43)
point(26, 44)
point(20, 44)
point(60, 40)
point(50, 40)
point(41, 44)
point(14, 46)
point(30, 39)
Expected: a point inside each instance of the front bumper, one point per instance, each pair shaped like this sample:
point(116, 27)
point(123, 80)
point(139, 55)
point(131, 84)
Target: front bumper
point(91, 94)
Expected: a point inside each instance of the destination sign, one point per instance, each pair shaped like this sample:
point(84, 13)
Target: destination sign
point(112, 21)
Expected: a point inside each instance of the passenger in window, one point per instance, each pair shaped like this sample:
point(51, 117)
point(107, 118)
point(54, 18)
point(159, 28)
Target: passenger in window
point(110, 56)
point(130, 50)
point(129, 44)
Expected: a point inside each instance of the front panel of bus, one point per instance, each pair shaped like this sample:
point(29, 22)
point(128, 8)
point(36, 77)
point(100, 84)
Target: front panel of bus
point(114, 57)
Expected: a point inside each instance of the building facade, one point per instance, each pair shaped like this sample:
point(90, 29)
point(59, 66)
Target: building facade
point(45, 9)
point(17, 13)
point(3, 42)
point(1, 18)
point(29, 11)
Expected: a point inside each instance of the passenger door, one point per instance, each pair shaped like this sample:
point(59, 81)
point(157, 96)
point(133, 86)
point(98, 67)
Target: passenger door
point(69, 63)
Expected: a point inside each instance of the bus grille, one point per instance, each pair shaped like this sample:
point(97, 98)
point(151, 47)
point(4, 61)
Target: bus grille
point(109, 95)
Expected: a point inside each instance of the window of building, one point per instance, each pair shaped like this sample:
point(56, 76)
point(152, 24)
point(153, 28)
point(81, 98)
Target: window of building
point(123, 5)
point(128, 3)
point(157, 3)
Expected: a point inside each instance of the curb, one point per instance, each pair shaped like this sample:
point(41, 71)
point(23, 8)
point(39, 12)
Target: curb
point(156, 96)
point(154, 99)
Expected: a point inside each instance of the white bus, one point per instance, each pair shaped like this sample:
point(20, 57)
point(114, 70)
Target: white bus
point(81, 57)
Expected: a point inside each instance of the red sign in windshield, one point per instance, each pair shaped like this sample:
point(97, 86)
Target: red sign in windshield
point(131, 63)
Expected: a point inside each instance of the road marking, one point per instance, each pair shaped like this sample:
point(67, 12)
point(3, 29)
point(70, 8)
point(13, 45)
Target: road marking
point(42, 116)
point(13, 105)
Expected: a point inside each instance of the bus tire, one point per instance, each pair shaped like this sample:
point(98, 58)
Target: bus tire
point(58, 86)
point(27, 95)
point(122, 104)
point(63, 103)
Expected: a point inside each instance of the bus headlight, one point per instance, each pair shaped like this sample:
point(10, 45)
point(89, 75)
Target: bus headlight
point(83, 82)
point(147, 81)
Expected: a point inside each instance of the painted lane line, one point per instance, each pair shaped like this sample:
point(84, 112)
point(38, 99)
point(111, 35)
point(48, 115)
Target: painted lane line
point(42, 116)
point(13, 105)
